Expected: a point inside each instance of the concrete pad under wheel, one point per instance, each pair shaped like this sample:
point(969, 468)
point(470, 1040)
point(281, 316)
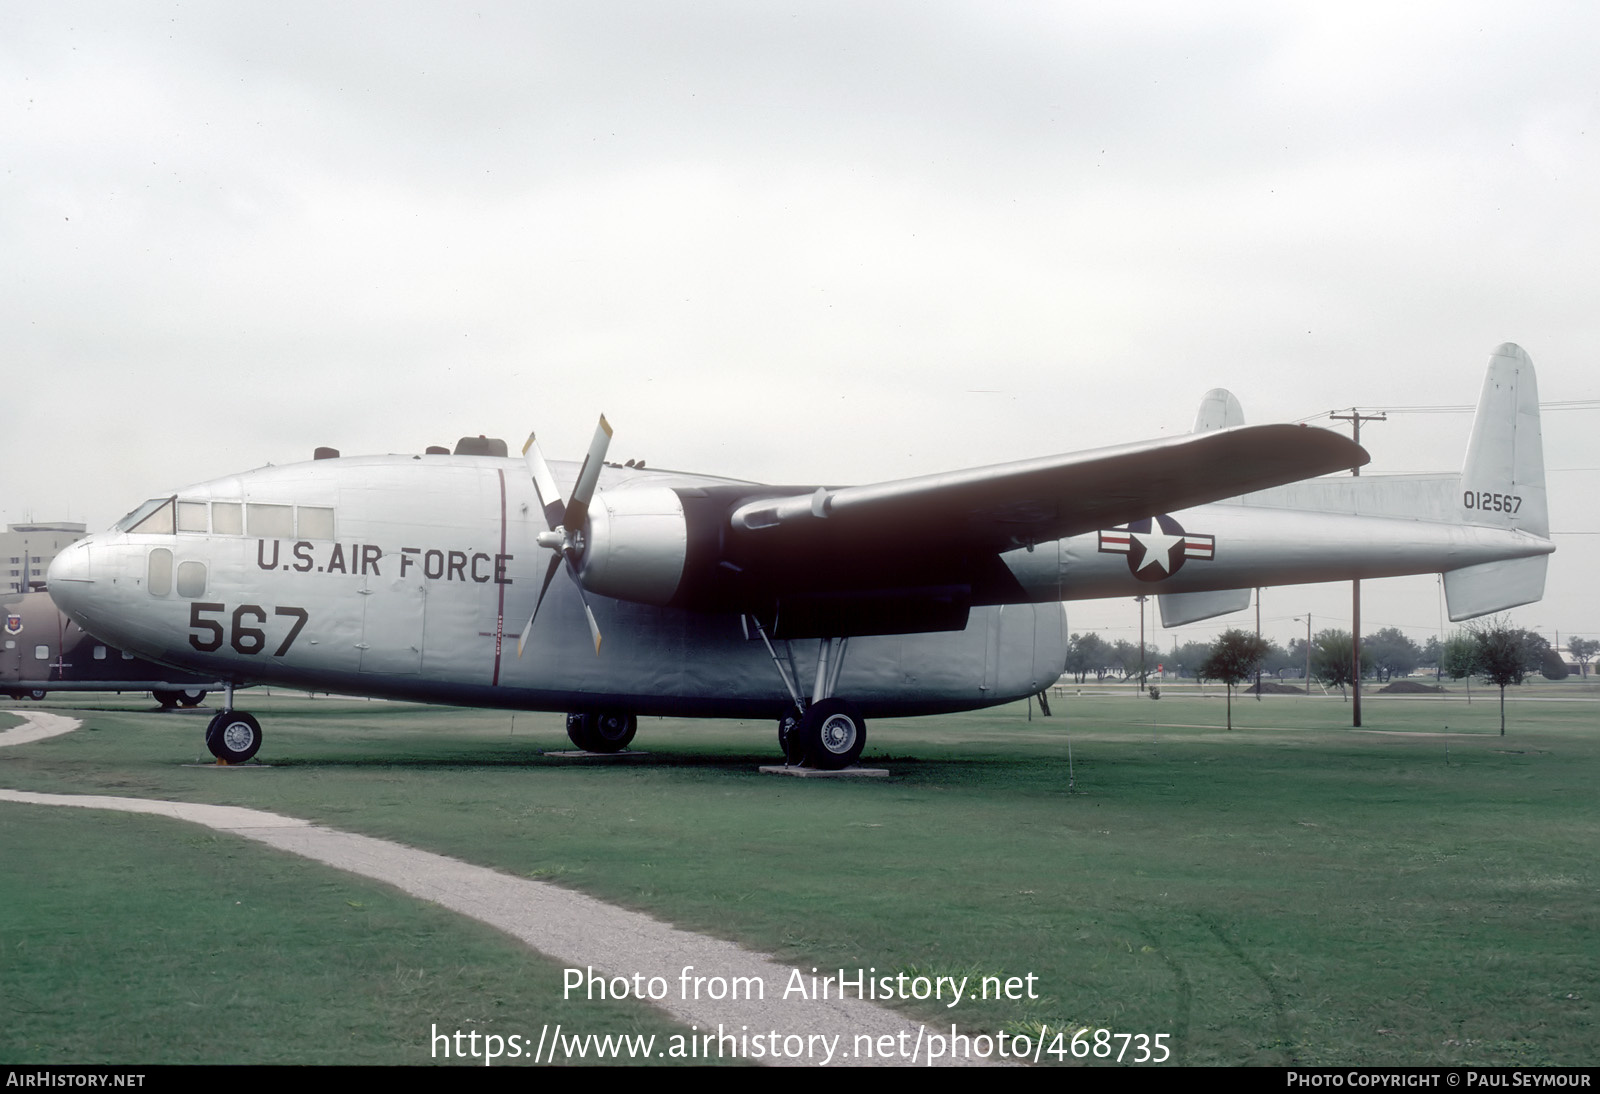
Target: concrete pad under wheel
point(818, 773)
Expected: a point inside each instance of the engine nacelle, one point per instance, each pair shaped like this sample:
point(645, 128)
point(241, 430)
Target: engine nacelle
point(635, 545)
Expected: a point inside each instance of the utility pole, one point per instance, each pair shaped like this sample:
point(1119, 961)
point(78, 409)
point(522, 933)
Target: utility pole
point(1140, 599)
point(1355, 418)
point(1258, 637)
point(1308, 653)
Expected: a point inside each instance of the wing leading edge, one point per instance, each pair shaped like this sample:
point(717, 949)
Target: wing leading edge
point(1012, 505)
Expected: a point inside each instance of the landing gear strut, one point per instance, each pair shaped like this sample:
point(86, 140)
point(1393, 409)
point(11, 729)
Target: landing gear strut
point(828, 732)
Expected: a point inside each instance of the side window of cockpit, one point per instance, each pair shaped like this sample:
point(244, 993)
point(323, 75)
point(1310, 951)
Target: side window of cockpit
point(192, 516)
point(191, 579)
point(160, 581)
point(316, 522)
point(227, 518)
point(270, 521)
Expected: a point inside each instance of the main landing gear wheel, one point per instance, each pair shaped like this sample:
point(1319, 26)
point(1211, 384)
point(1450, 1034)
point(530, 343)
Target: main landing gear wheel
point(233, 736)
point(832, 735)
point(601, 731)
point(167, 699)
point(193, 697)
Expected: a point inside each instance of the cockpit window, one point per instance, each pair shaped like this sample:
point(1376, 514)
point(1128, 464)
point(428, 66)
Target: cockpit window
point(227, 518)
point(316, 522)
point(192, 517)
point(270, 520)
point(154, 517)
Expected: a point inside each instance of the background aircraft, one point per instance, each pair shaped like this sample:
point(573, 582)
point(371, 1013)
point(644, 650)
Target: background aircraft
point(435, 577)
point(43, 651)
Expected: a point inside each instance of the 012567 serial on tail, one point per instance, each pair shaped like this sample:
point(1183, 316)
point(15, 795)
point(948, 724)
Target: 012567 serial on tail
point(608, 592)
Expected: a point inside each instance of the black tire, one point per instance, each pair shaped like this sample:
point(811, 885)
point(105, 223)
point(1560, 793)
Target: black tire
point(167, 699)
point(37, 694)
point(578, 732)
point(233, 736)
point(193, 697)
point(832, 735)
point(788, 738)
point(601, 731)
point(611, 731)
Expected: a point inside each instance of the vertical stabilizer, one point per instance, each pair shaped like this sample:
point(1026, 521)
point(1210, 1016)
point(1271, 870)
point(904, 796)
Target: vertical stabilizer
point(1502, 479)
point(1502, 487)
point(1218, 410)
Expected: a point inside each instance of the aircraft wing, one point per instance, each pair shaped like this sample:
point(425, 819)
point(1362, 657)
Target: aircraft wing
point(1017, 504)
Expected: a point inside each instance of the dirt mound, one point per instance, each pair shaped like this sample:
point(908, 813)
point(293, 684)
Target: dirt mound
point(1409, 687)
point(1272, 687)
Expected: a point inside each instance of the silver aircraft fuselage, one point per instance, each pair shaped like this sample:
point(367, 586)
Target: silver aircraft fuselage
point(423, 586)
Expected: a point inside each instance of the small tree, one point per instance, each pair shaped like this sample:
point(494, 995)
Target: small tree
point(1392, 652)
point(1331, 659)
point(1458, 659)
point(1506, 655)
point(1233, 660)
point(1583, 651)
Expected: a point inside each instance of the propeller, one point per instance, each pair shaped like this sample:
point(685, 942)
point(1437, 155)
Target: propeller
point(565, 520)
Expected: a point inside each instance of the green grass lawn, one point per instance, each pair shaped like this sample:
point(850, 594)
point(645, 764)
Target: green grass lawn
point(1418, 891)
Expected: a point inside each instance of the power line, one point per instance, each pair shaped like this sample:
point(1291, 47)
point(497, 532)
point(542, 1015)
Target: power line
point(1461, 408)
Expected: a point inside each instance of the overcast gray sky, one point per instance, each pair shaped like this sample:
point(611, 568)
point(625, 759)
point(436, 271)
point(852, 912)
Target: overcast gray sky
point(811, 242)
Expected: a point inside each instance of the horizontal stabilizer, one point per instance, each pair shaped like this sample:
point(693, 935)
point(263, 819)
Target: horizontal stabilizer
point(1494, 586)
point(1180, 608)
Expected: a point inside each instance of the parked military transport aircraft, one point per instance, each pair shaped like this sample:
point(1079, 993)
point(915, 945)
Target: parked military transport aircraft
point(434, 577)
point(42, 651)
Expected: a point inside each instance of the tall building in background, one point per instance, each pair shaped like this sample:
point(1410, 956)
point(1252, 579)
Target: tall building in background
point(26, 551)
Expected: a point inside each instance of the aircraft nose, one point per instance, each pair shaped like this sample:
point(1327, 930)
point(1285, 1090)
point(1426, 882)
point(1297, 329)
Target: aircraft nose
point(70, 579)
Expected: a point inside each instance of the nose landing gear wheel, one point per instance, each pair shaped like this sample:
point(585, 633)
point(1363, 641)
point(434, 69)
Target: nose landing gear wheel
point(233, 736)
point(832, 735)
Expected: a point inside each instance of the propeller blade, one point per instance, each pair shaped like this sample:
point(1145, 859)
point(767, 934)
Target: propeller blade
point(588, 476)
point(594, 628)
point(588, 612)
point(544, 484)
point(550, 572)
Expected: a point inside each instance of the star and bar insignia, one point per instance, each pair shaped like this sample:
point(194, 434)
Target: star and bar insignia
point(1157, 547)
